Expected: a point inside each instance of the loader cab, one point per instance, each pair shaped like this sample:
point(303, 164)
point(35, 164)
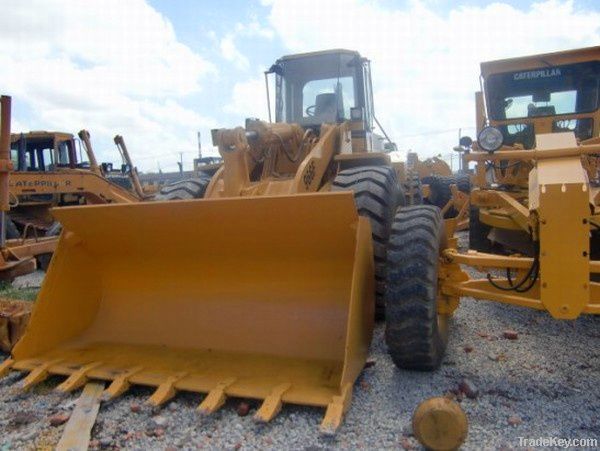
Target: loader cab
point(331, 86)
point(43, 151)
point(550, 93)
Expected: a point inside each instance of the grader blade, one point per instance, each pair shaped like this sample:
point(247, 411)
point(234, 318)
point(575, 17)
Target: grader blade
point(267, 298)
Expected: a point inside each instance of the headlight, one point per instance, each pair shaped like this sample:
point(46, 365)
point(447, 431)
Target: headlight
point(490, 139)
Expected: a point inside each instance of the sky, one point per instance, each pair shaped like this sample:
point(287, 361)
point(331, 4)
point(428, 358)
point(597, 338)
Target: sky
point(160, 71)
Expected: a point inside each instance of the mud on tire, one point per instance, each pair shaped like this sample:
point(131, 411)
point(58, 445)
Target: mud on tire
point(415, 334)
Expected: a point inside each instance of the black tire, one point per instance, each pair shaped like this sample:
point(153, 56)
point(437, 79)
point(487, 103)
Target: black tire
point(463, 183)
point(377, 194)
point(440, 192)
point(478, 232)
point(413, 185)
point(193, 188)
point(43, 260)
point(11, 230)
point(415, 334)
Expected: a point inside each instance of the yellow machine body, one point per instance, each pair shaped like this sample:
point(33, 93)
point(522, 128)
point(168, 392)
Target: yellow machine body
point(538, 192)
point(560, 213)
point(244, 295)
point(263, 288)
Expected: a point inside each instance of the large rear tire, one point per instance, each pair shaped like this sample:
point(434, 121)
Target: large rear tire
point(416, 335)
point(377, 194)
point(193, 188)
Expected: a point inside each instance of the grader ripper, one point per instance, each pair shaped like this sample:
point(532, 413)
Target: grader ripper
point(270, 281)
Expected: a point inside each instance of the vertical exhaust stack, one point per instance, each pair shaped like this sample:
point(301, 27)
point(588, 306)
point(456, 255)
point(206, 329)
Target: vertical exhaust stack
point(268, 298)
point(5, 163)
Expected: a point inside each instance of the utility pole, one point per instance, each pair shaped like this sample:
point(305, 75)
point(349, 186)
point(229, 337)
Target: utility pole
point(180, 163)
point(199, 146)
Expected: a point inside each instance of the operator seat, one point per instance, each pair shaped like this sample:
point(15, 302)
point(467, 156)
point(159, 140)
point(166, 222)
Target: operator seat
point(326, 107)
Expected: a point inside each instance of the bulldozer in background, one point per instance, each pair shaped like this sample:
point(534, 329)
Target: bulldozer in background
point(48, 171)
point(266, 285)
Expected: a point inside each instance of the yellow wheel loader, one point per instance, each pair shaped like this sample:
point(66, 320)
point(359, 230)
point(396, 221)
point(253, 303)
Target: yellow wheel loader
point(265, 285)
point(536, 176)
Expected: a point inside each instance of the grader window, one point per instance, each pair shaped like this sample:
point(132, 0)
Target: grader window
point(546, 91)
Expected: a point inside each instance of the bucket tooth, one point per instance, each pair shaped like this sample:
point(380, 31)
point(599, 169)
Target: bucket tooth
point(272, 404)
point(38, 374)
point(5, 367)
point(336, 410)
point(120, 384)
point(78, 379)
point(215, 398)
point(166, 390)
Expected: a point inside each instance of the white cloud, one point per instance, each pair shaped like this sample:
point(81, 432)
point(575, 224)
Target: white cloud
point(426, 63)
point(249, 99)
point(229, 50)
point(111, 66)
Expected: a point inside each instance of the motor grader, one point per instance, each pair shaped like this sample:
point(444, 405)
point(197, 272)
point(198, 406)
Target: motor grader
point(263, 287)
point(536, 187)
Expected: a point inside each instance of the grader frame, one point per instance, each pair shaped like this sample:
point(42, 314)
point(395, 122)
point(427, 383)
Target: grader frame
point(561, 200)
point(547, 193)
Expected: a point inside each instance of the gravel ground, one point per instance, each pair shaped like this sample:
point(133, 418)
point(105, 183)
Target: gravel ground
point(544, 383)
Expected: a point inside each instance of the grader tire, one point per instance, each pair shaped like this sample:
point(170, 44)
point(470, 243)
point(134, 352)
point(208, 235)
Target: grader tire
point(193, 188)
point(377, 194)
point(415, 334)
point(478, 232)
point(440, 192)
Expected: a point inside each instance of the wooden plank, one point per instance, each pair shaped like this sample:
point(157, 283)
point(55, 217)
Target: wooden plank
point(77, 433)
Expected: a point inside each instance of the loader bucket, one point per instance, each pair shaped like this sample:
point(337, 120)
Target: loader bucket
point(266, 297)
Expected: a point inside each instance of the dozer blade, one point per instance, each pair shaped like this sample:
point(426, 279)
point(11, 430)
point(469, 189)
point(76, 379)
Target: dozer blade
point(268, 298)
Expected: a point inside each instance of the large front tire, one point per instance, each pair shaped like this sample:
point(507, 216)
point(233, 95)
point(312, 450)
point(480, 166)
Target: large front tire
point(377, 194)
point(416, 335)
point(193, 188)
